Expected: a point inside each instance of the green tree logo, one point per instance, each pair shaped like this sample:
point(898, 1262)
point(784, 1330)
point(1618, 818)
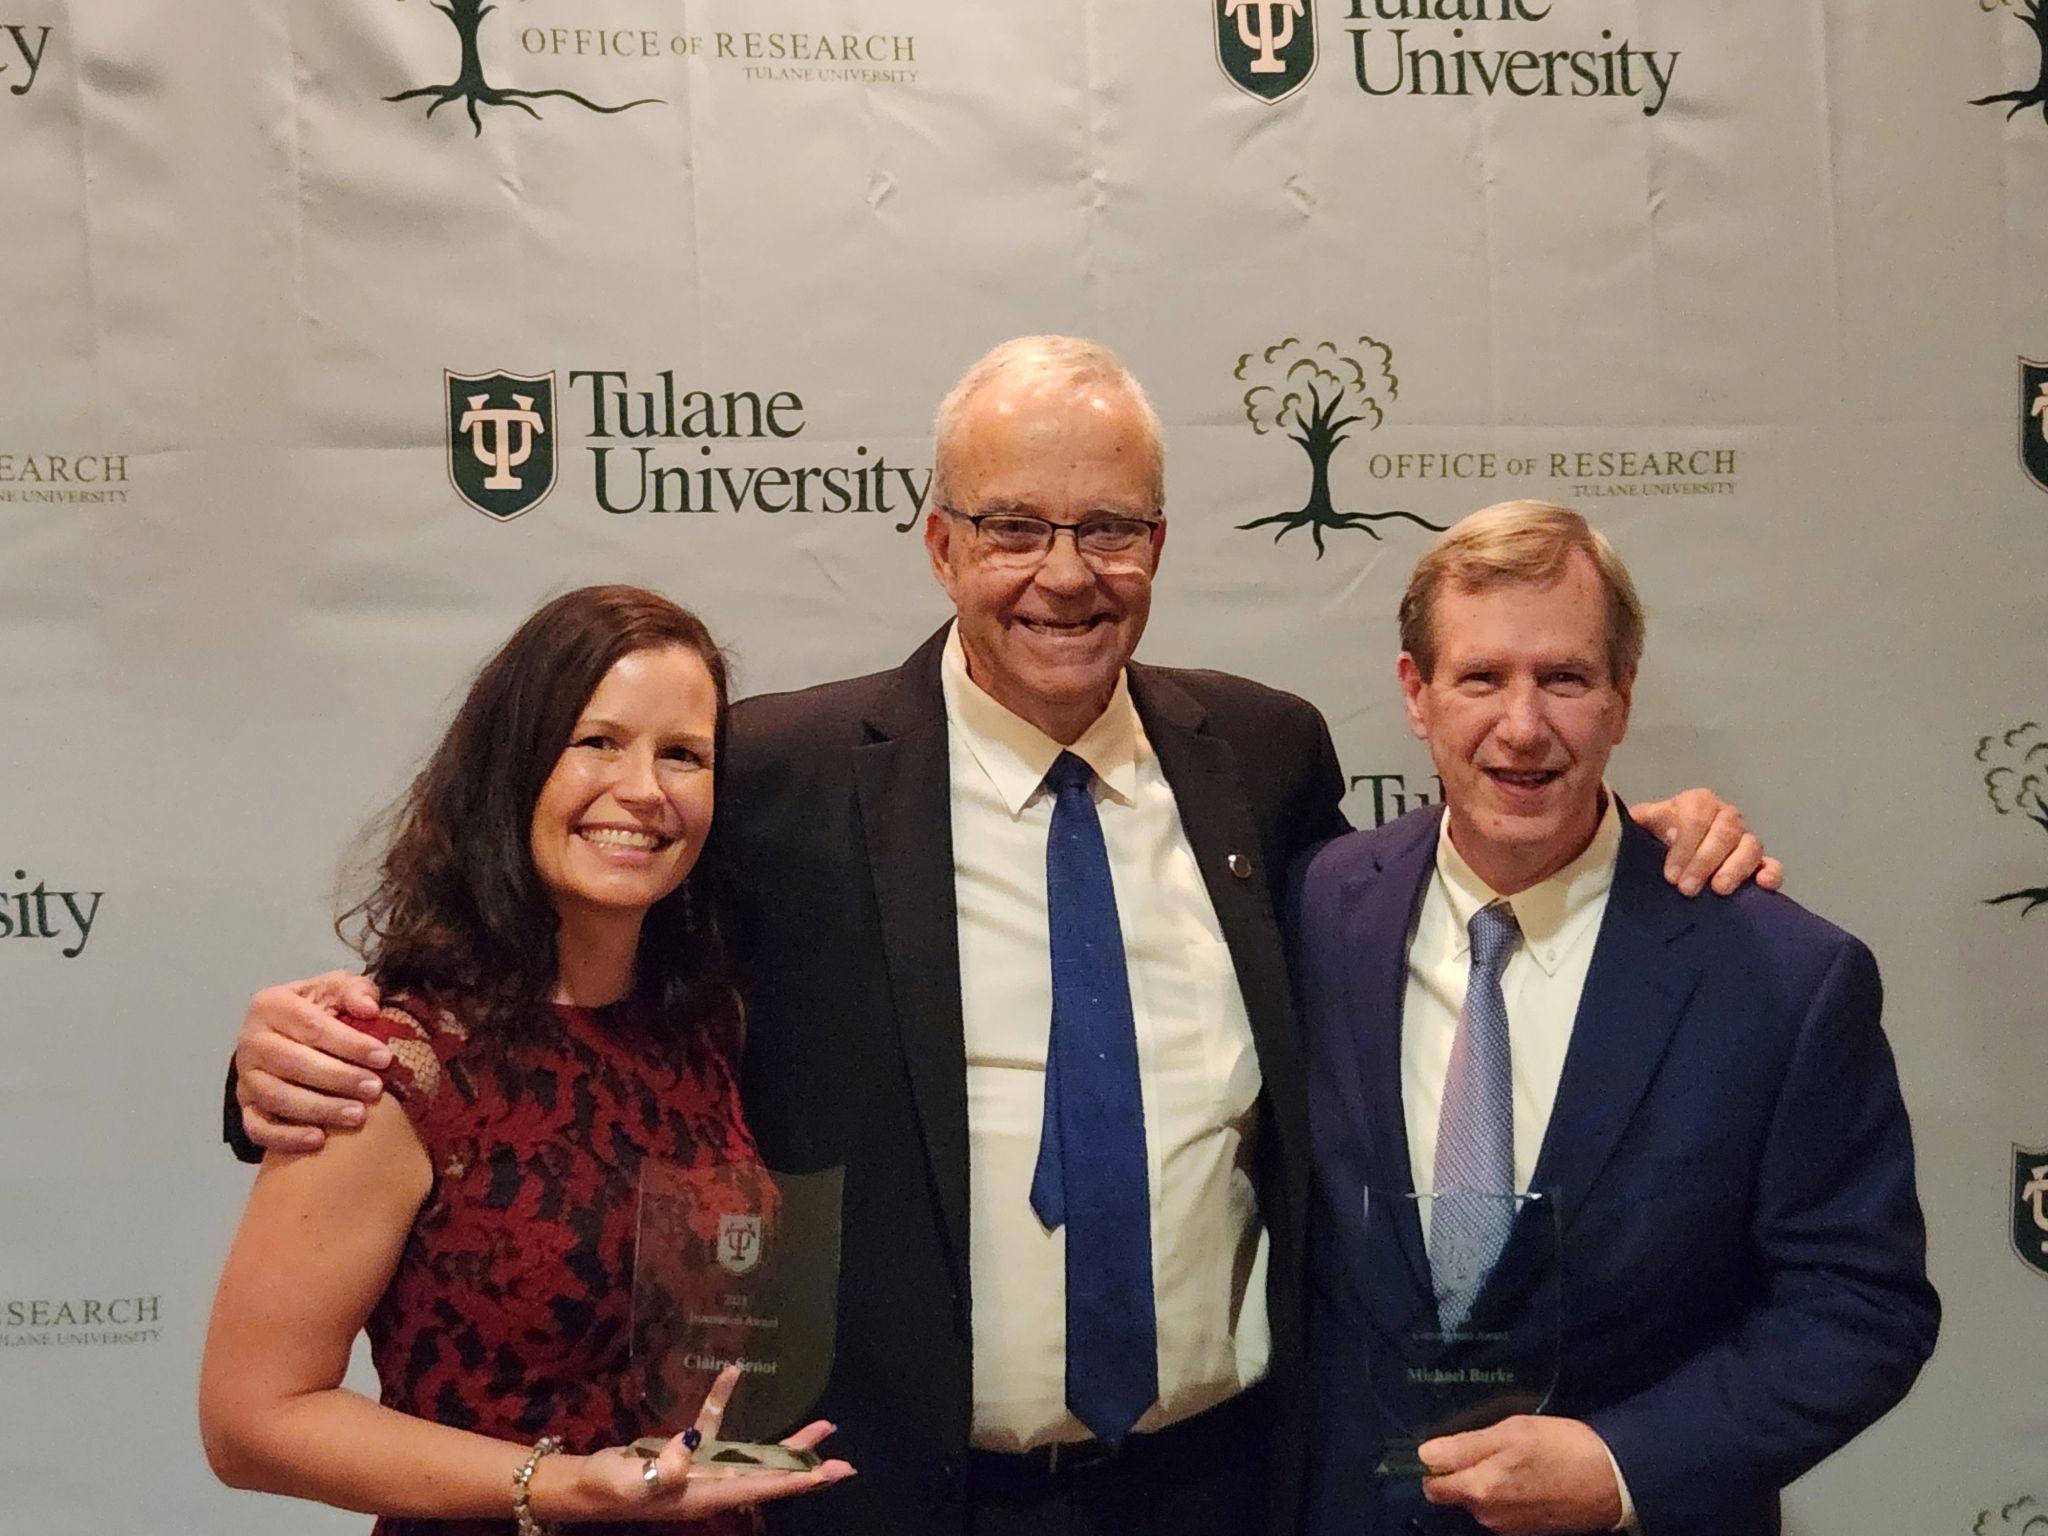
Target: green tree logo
point(2035, 20)
point(2026, 1516)
point(2016, 778)
point(471, 88)
point(1312, 395)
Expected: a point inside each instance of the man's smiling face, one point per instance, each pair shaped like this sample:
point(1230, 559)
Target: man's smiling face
point(1520, 713)
point(1047, 638)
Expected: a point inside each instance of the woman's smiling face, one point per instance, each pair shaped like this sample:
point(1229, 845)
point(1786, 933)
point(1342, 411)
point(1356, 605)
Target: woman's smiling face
point(621, 819)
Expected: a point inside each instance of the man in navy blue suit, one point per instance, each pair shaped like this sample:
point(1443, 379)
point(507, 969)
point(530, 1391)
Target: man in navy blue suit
point(1502, 995)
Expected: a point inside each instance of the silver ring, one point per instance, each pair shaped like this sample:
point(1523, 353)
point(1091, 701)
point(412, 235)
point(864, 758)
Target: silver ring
point(650, 1474)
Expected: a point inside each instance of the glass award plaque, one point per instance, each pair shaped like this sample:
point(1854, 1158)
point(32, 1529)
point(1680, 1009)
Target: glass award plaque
point(735, 1265)
point(1474, 1343)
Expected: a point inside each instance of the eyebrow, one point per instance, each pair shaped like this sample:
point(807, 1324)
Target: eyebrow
point(1544, 663)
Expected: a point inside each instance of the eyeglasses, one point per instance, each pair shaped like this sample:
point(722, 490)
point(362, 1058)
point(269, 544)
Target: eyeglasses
point(1014, 537)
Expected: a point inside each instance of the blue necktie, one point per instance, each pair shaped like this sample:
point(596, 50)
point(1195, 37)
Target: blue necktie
point(1475, 1138)
point(1091, 1175)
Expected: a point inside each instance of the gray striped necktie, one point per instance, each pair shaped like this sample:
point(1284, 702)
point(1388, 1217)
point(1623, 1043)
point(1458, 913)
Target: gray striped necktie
point(1475, 1139)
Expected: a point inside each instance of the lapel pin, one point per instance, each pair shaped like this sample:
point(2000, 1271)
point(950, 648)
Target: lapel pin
point(1240, 866)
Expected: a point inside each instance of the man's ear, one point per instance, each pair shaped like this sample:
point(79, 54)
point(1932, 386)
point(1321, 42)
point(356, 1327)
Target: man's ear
point(1412, 685)
point(938, 545)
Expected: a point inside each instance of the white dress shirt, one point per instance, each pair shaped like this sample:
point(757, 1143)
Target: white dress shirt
point(1544, 979)
point(1559, 919)
point(1199, 1074)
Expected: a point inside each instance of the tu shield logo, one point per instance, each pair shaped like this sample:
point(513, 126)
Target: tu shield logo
point(2030, 1207)
point(501, 440)
point(2034, 421)
point(739, 1243)
point(1267, 47)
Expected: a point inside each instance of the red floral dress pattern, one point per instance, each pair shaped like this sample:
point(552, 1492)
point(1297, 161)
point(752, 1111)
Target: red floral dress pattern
point(510, 1310)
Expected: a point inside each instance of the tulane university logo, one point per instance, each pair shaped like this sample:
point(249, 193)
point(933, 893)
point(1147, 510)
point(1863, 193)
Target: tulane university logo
point(1313, 396)
point(2035, 20)
point(739, 1243)
point(2034, 421)
point(2030, 1208)
point(2015, 764)
point(501, 440)
point(1266, 47)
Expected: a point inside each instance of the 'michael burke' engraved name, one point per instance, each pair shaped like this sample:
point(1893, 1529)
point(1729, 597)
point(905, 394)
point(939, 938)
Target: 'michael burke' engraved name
point(1388, 64)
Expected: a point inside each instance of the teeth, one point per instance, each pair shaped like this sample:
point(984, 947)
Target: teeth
point(618, 837)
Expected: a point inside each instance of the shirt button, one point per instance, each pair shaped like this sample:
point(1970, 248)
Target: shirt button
point(1239, 866)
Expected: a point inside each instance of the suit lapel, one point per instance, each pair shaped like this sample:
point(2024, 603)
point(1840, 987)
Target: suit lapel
point(1377, 909)
point(903, 783)
point(1636, 991)
point(1215, 812)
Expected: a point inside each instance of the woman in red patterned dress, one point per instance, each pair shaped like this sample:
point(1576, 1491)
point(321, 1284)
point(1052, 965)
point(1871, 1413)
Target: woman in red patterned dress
point(558, 1013)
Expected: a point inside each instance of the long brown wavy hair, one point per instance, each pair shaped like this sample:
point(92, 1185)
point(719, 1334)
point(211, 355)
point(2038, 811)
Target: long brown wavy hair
point(458, 913)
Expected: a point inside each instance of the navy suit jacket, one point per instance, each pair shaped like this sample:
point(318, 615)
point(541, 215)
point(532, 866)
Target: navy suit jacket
point(1743, 1252)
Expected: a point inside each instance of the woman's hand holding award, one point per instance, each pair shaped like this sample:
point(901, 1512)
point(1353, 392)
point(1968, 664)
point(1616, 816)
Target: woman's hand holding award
point(737, 1266)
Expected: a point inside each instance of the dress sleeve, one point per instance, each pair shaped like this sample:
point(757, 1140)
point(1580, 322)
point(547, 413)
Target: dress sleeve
point(422, 1041)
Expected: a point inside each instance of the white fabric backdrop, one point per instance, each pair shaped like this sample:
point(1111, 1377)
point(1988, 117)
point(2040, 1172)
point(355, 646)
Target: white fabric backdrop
point(237, 275)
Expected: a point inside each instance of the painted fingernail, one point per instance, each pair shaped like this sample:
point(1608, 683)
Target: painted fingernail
point(692, 1438)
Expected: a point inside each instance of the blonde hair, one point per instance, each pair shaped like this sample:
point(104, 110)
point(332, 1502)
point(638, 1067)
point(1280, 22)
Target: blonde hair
point(1043, 364)
point(1520, 543)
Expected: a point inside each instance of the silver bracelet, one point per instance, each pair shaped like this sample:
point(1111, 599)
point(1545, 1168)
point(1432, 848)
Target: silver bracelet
point(522, 1503)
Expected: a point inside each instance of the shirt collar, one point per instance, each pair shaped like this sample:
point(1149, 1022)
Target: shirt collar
point(1551, 912)
point(1015, 754)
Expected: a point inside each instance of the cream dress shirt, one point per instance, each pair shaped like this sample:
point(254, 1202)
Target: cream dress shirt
point(1199, 1074)
point(1544, 978)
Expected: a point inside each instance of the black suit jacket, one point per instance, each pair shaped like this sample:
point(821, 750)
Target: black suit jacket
point(833, 838)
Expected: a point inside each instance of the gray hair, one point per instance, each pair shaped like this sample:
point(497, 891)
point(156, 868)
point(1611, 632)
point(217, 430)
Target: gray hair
point(1044, 364)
